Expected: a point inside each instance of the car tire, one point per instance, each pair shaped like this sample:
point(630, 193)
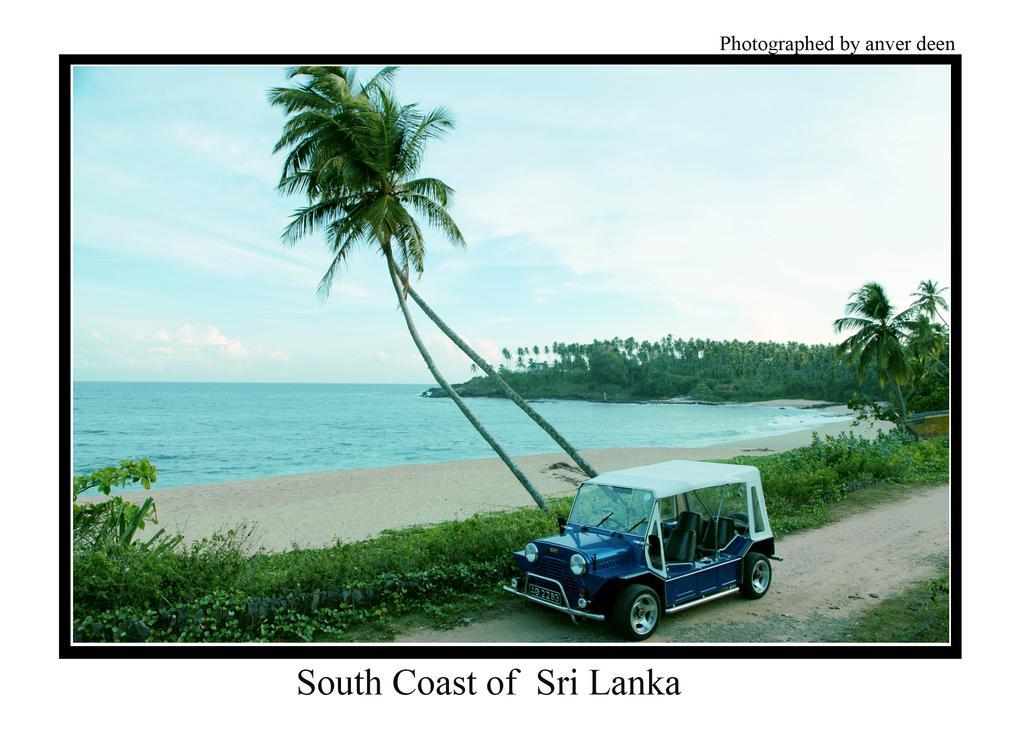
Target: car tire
point(637, 612)
point(757, 576)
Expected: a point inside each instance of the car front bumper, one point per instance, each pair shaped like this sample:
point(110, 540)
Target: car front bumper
point(564, 609)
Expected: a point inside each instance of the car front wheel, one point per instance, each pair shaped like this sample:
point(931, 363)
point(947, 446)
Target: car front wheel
point(636, 612)
point(757, 576)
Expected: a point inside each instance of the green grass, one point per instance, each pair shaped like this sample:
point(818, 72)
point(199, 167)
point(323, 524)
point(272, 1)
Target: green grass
point(215, 590)
point(919, 614)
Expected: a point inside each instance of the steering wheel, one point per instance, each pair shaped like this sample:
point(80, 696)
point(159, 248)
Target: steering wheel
point(740, 519)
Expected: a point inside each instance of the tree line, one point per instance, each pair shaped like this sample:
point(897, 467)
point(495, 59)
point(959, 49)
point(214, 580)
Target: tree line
point(623, 369)
point(888, 353)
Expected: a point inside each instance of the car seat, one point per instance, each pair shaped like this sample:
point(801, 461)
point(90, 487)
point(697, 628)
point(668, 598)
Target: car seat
point(689, 521)
point(725, 530)
point(717, 534)
point(681, 545)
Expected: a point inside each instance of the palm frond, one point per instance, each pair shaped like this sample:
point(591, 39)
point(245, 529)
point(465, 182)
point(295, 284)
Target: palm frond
point(316, 216)
point(849, 323)
point(438, 217)
point(384, 77)
point(437, 190)
point(345, 235)
point(435, 123)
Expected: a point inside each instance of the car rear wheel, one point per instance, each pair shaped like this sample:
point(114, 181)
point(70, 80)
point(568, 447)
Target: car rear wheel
point(636, 612)
point(757, 576)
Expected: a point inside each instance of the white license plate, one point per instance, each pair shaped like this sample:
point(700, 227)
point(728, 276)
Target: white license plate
point(547, 595)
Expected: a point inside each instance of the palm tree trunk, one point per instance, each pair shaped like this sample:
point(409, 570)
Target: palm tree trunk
point(505, 388)
point(899, 395)
point(523, 479)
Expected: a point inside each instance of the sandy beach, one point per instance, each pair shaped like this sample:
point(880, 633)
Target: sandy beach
point(317, 508)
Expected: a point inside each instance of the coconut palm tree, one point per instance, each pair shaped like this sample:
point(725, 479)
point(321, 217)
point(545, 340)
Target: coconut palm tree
point(354, 152)
point(878, 338)
point(926, 342)
point(929, 299)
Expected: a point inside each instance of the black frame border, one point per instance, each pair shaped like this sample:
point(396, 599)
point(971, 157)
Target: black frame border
point(67, 649)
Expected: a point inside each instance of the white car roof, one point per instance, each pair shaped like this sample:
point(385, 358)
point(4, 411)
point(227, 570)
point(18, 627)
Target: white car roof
point(678, 475)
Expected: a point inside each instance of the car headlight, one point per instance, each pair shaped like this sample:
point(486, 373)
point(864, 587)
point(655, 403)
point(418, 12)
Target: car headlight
point(577, 564)
point(531, 552)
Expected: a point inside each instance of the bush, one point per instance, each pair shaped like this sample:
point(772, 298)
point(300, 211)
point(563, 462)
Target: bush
point(930, 393)
point(136, 576)
point(799, 484)
point(114, 523)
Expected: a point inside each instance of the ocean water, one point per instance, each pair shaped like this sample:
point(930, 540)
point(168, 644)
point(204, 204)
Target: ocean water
point(198, 433)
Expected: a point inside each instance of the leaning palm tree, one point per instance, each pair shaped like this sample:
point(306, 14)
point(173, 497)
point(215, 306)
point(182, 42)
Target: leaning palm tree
point(878, 338)
point(354, 152)
point(929, 299)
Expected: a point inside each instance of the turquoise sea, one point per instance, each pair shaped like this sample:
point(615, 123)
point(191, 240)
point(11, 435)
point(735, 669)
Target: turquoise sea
point(197, 433)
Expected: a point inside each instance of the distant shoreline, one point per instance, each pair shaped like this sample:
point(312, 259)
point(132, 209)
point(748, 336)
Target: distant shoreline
point(437, 392)
point(315, 509)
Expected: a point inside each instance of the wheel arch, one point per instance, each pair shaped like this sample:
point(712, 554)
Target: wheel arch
point(765, 546)
point(612, 587)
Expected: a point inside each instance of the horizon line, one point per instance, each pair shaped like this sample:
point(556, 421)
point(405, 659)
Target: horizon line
point(266, 383)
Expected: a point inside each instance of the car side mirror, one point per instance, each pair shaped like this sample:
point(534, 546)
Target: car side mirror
point(654, 542)
point(561, 526)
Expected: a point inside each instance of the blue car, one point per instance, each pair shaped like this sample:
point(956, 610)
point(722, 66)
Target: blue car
point(643, 542)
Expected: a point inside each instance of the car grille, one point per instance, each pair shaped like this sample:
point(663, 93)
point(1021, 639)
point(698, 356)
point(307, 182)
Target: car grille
point(559, 570)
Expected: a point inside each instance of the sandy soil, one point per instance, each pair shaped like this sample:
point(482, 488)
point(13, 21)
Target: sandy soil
point(315, 509)
point(827, 574)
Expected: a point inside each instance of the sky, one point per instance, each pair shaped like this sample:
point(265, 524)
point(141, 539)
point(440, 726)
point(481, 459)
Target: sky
point(722, 202)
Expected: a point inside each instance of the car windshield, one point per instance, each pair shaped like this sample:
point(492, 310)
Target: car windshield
point(619, 509)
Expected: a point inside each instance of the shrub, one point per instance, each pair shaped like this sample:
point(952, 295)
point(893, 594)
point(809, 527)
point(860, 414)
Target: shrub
point(133, 575)
point(799, 484)
point(115, 522)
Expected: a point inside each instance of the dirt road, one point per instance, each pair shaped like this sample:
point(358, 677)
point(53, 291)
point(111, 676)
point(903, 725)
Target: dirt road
point(827, 575)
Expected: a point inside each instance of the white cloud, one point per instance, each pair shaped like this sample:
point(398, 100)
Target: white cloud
point(208, 339)
point(184, 350)
point(489, 349)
